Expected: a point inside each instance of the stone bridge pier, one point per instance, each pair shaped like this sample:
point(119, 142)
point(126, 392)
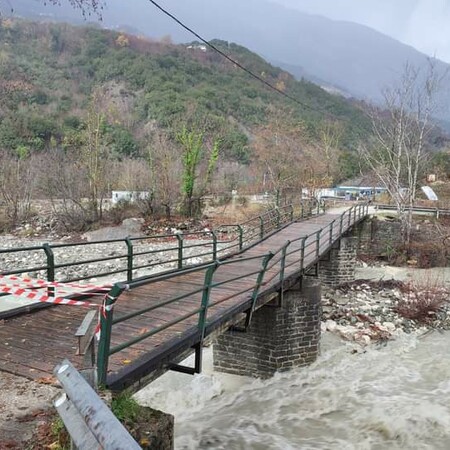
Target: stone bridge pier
point(278, 339)
point(338, 265)
point(287, 336)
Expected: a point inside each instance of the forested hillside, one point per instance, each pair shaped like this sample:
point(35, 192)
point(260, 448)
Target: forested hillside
point(123, 112)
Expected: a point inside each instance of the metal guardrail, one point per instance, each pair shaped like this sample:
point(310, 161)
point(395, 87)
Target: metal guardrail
point(135, 252)
point(90, 423)
point(263, 269)
point(419, 209)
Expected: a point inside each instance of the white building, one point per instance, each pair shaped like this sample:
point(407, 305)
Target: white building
point(129, 196)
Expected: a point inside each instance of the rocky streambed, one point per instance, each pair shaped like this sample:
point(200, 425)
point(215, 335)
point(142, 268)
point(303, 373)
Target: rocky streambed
point(160, 256)
point(368, 310)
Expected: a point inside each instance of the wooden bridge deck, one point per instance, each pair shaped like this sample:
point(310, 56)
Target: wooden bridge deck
point(31, 345)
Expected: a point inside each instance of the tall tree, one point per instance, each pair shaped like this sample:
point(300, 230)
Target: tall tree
point(194, 153)
point(398, 151)
point(279, 146)
point(94, 154)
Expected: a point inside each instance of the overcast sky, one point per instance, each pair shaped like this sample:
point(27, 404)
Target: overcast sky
point(424, 24)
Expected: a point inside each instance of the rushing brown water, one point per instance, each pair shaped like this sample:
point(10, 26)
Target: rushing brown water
point(395, 396)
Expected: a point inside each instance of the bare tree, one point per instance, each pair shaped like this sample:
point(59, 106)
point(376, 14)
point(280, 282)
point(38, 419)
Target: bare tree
point(164, 159)
point(94, 154)
point(17, 183)
point(399, 149)
point(330, 136)
point(87, 7)
point(65, 184)
point(279, 148)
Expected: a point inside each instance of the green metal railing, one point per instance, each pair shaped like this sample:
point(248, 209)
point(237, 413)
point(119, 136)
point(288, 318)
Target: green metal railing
point(270, 270)
point(133, 254)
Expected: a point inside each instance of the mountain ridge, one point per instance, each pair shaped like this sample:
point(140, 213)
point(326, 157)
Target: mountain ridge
point(351, 57)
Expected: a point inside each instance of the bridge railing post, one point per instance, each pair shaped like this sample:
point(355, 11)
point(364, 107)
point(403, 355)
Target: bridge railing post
point(302, 254)
point(331, 232)
point(207, 287)
point(302, 211)
point(283, 263)
point(130, 252)
point(258, 284)
point(349, 217)
point(318, 243)
point(50, 262)
point(341, 225)
point(354, 215)
point(214, 239)
point(241, 236)
point(50, 267)
point(278, 217)
point(261, 227)
point(106, 319)
point(180, 250)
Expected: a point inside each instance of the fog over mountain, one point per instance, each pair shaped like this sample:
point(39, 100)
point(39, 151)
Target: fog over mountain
point(355, 59)
point(420, 23)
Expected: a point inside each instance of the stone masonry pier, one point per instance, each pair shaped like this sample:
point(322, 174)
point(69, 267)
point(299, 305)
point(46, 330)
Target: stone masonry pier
point(338, 266)
point(279, 338)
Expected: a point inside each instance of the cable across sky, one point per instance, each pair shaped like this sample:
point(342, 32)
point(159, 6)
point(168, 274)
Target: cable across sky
point(241, 66)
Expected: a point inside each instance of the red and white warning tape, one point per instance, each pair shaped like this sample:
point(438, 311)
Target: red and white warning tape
point(27, 288)
point(43, 283)
point(40, 297)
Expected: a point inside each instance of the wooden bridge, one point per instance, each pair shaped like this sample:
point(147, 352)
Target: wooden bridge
point(149, 324)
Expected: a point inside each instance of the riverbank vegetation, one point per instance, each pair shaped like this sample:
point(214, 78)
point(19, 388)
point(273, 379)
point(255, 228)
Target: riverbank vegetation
point(86, 111)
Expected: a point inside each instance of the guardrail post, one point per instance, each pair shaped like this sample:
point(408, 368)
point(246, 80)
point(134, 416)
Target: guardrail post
point(278, 217)
point(349, 217)
point(331, 232)
point(106, 317)
point(207, 286)
point(180, 250)
point(318, 243)
point(214, 237)
point(341, 225)
point(261, 224)
point(129, 259)
point(50, 262)
point(241, 236)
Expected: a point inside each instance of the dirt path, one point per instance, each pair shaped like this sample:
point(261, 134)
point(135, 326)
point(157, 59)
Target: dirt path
point(24, 405)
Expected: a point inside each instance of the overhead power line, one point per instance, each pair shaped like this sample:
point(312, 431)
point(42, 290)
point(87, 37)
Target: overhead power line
point(242, 67)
